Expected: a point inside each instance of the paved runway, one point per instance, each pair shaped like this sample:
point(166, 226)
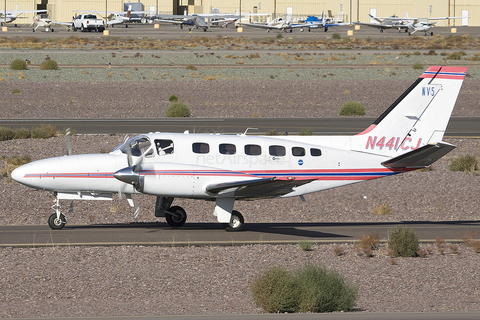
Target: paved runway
point(161, 234)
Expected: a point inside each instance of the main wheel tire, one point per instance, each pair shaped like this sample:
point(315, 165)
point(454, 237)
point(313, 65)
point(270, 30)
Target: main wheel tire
point(236, 222)
point(73, 27)
point(177, 217)
point(56, 224)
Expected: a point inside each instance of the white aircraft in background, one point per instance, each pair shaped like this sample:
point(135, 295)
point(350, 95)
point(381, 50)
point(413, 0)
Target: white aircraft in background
point(424, 24)
point(43, 21)
point(383, 23)
point(227, 168)
point(196, 21)
point(10, 16)
point(278, 24)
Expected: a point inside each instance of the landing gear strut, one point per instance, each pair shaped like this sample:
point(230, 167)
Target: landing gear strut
point(57, 220)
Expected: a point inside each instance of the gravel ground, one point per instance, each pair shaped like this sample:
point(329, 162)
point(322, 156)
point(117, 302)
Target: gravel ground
point(101, 281)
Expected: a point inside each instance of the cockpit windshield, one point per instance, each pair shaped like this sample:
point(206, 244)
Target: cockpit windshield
point(139, 145)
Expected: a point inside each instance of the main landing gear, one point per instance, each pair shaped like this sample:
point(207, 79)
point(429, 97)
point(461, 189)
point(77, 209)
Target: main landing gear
point(176, 216)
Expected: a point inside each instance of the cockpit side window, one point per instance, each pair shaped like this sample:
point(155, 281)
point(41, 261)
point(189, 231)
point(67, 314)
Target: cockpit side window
point(138, 145)
point(164, 147)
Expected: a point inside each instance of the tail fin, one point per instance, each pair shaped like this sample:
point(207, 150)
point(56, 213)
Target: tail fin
point(419, 117)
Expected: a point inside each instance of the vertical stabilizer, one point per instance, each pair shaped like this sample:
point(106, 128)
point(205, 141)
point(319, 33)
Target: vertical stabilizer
point(417, 118)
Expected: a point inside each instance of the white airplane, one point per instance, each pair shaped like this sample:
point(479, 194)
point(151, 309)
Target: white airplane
point(424, 24)
point(196, 21)
point(383, 23)
point(227, 168)
point(10, 16)
point(43, 20)
point(278, 24)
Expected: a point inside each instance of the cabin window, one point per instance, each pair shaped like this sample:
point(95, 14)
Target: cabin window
point(227, 148)
point(164, 147)
point(253, 150)
point(278, 151)
point(200, 147)
point(298, 151)
point(315, 152)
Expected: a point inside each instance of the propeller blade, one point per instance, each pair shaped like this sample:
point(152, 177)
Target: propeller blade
point(69, 144)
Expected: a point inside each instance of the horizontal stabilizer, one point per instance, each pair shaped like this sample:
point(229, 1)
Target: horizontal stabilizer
point(256, 188)
point(421, 157)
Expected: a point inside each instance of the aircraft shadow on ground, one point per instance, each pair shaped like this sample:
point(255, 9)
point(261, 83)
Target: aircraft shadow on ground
point(296, 229)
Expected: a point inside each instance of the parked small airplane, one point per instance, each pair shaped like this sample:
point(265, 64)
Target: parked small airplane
point(278, 24)
point(10, 16)
point(424, 24)
point(196, 21)
point(315, 22)
point(227, 168)
point(43, 20)
point(392, 22)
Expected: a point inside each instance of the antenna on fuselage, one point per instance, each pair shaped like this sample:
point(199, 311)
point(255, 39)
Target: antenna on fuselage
point(245, 133)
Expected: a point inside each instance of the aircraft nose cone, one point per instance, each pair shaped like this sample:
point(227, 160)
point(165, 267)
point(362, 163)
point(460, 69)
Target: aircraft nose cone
point(19, 174)
point(126, 175)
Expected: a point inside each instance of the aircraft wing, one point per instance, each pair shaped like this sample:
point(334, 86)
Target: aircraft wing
point(171, 21)
point(264, 26)
point(256, 188)
point(62, 23)
point(421, 157)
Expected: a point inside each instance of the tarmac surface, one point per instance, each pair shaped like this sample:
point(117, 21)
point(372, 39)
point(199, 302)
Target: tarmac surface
point(167, 31)
point(206, 234)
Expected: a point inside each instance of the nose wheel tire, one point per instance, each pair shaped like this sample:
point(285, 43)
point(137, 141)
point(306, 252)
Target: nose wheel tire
point(177, 216)
point(57, 224)
point(236, 222)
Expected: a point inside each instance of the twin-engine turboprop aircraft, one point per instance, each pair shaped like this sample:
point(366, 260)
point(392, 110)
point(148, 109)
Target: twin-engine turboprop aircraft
point(226, 168)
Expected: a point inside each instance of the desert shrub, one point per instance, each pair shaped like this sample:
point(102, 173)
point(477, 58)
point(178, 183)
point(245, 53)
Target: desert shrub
point(39, 133)
point(190, 67)
point(403, 242)
point(454, 56)
point(352, 108)
point(173, 98)
point(275, 290)
point(305, 245)
point(323, 290)
point(279, 36)
point(178, 110)
point(18, 64)
point(272, 132)
point(417, 53)
point(22, 133)
point(382, 210)
point(464, 163)
point(336, 36)
point(15, 91)
point(6, 134)
point(312, 288)
point(12, 163)
point(305, 132)
point(417, 66)
point(49, 65)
